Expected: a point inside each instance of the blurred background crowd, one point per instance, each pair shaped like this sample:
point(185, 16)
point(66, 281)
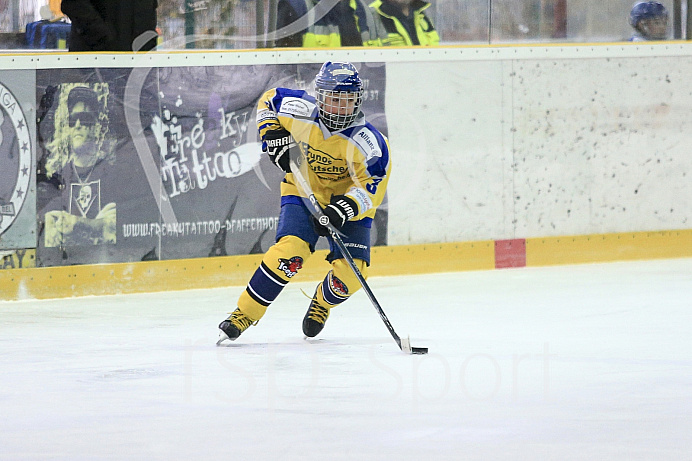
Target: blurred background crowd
point(238, 24)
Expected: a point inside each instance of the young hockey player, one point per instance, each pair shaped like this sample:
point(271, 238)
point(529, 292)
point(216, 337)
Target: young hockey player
point(348, 165)
point(650, 21)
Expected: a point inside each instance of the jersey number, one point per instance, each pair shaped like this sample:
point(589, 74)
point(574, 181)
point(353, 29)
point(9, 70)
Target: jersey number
point(372, 188)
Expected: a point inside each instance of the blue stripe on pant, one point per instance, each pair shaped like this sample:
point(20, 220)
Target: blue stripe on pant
point(265, 286)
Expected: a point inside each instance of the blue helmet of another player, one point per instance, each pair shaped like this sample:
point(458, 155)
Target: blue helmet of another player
point(650, 19)
point(339, 93)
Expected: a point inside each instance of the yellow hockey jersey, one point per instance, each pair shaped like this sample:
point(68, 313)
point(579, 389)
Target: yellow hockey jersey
point(354, 161)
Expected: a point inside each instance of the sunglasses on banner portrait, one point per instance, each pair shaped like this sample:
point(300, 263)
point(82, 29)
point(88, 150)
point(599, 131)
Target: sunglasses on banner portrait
point(87, 119)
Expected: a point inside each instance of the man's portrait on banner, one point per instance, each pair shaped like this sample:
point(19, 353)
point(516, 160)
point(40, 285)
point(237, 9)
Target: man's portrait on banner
point(80, 154)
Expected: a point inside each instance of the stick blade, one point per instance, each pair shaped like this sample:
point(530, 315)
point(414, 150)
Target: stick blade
point(406, 347)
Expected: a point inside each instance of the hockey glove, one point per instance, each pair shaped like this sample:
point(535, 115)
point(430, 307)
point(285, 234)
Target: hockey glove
point(279, 144)
point(341, 208)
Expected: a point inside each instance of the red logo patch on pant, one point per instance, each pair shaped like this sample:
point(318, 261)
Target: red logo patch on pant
point(290, 267)
point(337, 286)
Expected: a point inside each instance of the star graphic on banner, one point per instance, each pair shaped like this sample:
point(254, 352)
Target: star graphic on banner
point(20, 125)
point(19, 193)
point(25, 146)
point(25, 171)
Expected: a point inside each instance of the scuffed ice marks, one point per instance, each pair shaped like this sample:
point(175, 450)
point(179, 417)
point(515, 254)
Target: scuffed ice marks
point(129, 373)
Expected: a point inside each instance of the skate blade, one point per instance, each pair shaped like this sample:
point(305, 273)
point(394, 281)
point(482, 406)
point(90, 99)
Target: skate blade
point(222, 337)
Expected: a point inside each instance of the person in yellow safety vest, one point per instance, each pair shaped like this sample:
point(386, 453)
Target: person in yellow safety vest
point(347, 23)
point(405, 22)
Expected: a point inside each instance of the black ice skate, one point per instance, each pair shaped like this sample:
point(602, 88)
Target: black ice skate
point(315, 318)
point(233, 326)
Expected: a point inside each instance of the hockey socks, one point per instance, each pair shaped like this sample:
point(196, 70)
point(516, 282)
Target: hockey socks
point(279, 265)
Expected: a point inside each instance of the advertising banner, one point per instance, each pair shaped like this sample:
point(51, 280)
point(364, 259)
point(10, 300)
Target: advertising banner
point(164, 163)
point(23, 258)
point(89, 177)
point(17, 160)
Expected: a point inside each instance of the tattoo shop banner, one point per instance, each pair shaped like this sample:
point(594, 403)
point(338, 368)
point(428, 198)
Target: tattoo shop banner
point(17, 164)
point(164, 163)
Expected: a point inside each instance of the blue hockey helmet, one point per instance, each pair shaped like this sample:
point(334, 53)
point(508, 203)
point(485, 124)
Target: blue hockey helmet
point(339, 92)
point(650, 19)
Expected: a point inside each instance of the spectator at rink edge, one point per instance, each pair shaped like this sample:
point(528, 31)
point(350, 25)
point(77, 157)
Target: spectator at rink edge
point(112, 25)
point(406, 22)
point(347, 23)
point(649, 21)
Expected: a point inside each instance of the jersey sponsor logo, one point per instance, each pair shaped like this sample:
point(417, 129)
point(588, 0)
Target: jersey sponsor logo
point(367, 143)
point(296, 106)
point(324, 164)
point(264, 115)
point(290, 267)
point(362, 198)
point(15, 158)
point(363, 135)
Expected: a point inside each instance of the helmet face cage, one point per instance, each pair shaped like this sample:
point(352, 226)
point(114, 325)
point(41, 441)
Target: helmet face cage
point(339, 94)
point(650, 19)
point(338, 109)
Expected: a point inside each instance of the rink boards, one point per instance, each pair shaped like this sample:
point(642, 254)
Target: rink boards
point(94, 280)
point(504, 156)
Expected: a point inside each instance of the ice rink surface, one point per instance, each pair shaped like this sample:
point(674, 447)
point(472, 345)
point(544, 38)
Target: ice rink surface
point(588, 362)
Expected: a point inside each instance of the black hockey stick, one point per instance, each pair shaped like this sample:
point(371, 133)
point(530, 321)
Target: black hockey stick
point(403, 343)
